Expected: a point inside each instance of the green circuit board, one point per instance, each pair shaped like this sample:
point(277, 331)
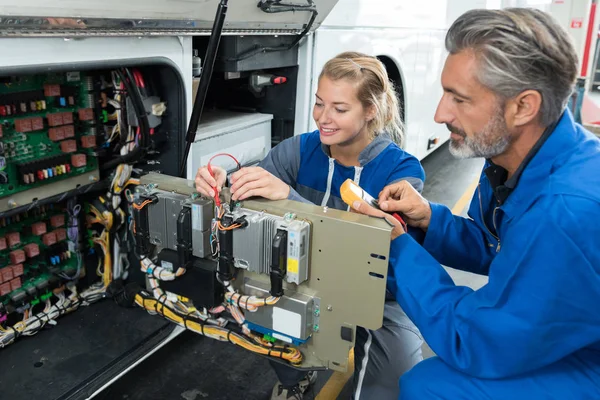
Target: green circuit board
point(38, 113)
point(38, 271)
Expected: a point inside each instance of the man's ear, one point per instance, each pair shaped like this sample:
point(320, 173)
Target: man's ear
point(523, 108)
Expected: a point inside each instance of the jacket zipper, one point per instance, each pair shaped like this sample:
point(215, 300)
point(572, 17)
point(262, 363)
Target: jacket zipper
point(493, 218)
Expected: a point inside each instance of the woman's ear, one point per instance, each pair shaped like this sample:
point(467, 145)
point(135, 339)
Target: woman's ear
point(371, 113)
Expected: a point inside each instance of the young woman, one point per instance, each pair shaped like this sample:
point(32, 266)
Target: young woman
point(356, 112)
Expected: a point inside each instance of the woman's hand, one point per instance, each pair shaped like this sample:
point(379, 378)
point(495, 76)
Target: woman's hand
point(205, 183)
point(255, 181)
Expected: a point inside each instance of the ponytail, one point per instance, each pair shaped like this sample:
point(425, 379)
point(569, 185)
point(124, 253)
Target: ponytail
point(393, 125)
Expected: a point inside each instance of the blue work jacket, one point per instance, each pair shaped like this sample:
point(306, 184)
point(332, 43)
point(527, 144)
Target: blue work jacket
point(540, 249)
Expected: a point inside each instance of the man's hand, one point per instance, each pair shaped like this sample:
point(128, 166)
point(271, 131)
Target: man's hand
point(402, 198)
point(255, 181)
point(363, 208)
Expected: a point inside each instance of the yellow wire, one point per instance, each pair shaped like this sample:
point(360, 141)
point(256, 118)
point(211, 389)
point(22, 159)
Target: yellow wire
point(290, 354)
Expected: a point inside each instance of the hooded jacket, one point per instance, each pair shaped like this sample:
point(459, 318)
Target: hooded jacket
point(304, 163)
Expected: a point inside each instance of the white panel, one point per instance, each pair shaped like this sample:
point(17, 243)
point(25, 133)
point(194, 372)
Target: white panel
point(287, 322)
point(306, 75)
point(435, 14)
point(245, 136)
point(240, 12)
point(57, 51)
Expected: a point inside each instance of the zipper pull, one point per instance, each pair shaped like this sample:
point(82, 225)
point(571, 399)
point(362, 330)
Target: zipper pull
point(498, 247)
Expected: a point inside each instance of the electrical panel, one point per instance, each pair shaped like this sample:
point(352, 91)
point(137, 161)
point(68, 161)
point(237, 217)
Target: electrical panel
point(72, 145)
point(47, 134)
point(276, 276)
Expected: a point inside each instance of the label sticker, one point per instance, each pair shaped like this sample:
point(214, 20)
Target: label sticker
point(73, 76)
point(167, 265)
point(287, 322)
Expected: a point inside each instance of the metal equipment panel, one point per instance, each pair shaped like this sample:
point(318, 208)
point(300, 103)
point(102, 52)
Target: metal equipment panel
point(348, 268)
point(155, 17)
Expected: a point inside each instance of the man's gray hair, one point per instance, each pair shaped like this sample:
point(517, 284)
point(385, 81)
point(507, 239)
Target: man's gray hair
point(519, 49)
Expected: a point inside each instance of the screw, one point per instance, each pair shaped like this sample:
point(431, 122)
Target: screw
point(317, 313)
point(316, 328)
point(329, 308)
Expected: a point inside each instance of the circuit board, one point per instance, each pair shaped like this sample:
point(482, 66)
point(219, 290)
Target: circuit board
point(47, 130)
point(35, 255)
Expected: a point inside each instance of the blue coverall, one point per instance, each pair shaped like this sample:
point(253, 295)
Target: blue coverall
point(533, 332)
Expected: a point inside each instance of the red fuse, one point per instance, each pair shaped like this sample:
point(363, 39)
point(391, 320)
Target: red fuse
point(51, 90)
point(68, 146)
point(3, 244)
point(18, 270)
point(57, 220)
point(7, 273)
point(5, 289)
point(88, 141)
point(23, 125)
point(48, 239)
point(56, 134)
point(67, 117)
point(15, 284)
point(39, 228)
point(32, 250)
point(61, 234)
point(69, 131)
point(78, 160)
point(86, 114)
point(13, 239)
point(17, 256)
point(37, 123)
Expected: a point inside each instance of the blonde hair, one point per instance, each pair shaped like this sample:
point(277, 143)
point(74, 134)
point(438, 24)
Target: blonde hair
point(373, 88)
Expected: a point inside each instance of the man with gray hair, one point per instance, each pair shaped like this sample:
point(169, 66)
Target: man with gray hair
point(534, 330)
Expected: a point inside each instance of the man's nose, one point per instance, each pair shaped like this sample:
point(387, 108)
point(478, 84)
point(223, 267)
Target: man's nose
point(442, 113)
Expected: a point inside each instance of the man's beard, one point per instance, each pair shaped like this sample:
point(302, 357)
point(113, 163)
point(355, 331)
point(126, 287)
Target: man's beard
point(493, 140)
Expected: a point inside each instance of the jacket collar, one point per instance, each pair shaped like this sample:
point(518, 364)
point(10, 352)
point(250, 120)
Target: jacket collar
point(370, 152)
point(535, 175)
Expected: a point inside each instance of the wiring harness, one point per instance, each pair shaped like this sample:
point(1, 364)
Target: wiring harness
point(211, 323)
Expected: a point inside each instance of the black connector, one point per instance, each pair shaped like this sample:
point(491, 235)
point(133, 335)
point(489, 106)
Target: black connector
point(18, 299)
point(225, 267)
point(278, 262)
point(241, 221)
point(53, 282)
point(123, 295)
point(32, 292)
point(142, 230)
point(184, 237)
point(42, 285)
